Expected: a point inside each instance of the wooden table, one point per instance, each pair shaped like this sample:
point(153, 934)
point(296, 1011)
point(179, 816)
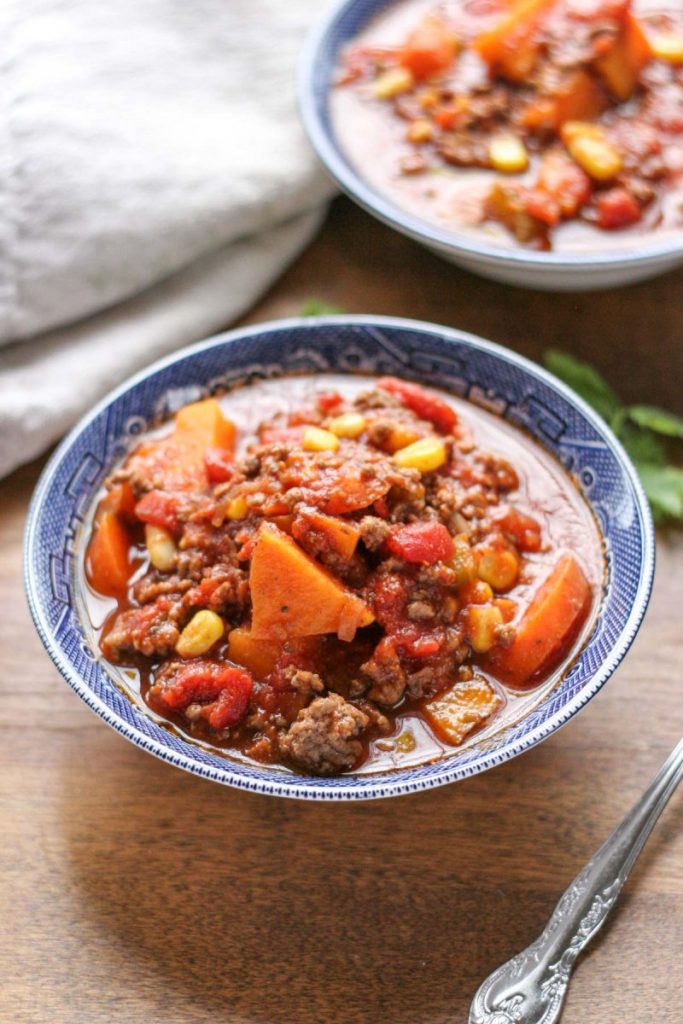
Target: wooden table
point(133, 893)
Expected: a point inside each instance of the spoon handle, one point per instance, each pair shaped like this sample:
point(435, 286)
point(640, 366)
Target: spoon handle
point(530, 988)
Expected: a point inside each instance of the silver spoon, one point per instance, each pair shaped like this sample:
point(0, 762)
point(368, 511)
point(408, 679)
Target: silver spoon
point(530, 988)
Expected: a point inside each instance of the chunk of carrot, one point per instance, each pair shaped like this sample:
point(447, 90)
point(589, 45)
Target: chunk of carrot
point(510, 48)
point(551, 621)
point(107, 559)
point(292, 595)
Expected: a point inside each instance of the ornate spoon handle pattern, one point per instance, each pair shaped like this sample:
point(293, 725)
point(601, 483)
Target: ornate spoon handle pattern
point(530, 988)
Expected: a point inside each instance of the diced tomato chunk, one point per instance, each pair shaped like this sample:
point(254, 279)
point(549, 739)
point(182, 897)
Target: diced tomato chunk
point(541, 205)
point(224, 689)
point(329, 400)
point(159, 508)
point(422, 543)
point(430, 48)
point(566, 182)
point(423, 403)
point(524, 530)
point(219, 464)
point(617, 208)
point(425, 646)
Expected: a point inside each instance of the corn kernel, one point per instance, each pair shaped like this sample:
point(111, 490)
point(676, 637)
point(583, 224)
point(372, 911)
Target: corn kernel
point(160, 547)
point(420, 131)
point(318, 440)
point(203, 630)
point(667, 46)
point(237, 508)
point(349, 424)
point(499, 569)
point(571, 129)
point(392, 83)
point(481, 624)
point(463, 562)
point(508, 154)
point(427, 454)
point(598, 157)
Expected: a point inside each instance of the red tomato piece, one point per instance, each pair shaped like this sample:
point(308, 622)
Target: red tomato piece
point(226, 689)
point(565, 182)
point(219, 465)
point(422, 543)
point(524, 530)
point(446, 117)
point(617, 208)
point(430, 48)
point(160, 508)
point(541, 205)
point(329, 400)
point(423, 646)
point(423, 403)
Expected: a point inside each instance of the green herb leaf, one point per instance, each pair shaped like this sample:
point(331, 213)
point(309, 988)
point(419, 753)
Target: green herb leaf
point(316, 307)
point(640, 428)
point(658, 420)
point(641, 445)
point(585, 380)
point(664, 488)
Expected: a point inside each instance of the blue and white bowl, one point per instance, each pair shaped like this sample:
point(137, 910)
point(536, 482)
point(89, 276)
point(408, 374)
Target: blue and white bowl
point(587, 270)
point(459, 363)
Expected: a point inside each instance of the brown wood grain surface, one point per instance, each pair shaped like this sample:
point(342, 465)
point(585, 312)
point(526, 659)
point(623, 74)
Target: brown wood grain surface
point(132, 893)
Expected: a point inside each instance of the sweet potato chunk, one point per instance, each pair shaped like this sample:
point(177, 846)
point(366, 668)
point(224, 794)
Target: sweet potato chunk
point(107, 561)
point(511, 47)
point(456, 711)
point(553, 618)
point(176, 462)
point(258, 656)
point(202, 425)
point(622, 63)
point(334, 534)
point(577, 97)
point(292, 595)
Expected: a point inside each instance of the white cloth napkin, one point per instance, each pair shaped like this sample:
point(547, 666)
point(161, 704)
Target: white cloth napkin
point(154, 179)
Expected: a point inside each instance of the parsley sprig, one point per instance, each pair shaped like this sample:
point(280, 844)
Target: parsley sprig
point(648, 433)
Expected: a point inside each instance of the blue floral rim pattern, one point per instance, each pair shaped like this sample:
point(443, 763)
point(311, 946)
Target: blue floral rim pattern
point(460, 363)
point(319, 61)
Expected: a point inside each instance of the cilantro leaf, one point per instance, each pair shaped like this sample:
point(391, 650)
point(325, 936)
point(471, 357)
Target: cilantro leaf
point(664, 488)
point(657, 420)
point(316, 307)
point(585, 380)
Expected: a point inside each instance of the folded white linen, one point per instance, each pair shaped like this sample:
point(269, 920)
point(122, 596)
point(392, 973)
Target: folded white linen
point(154, 179)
